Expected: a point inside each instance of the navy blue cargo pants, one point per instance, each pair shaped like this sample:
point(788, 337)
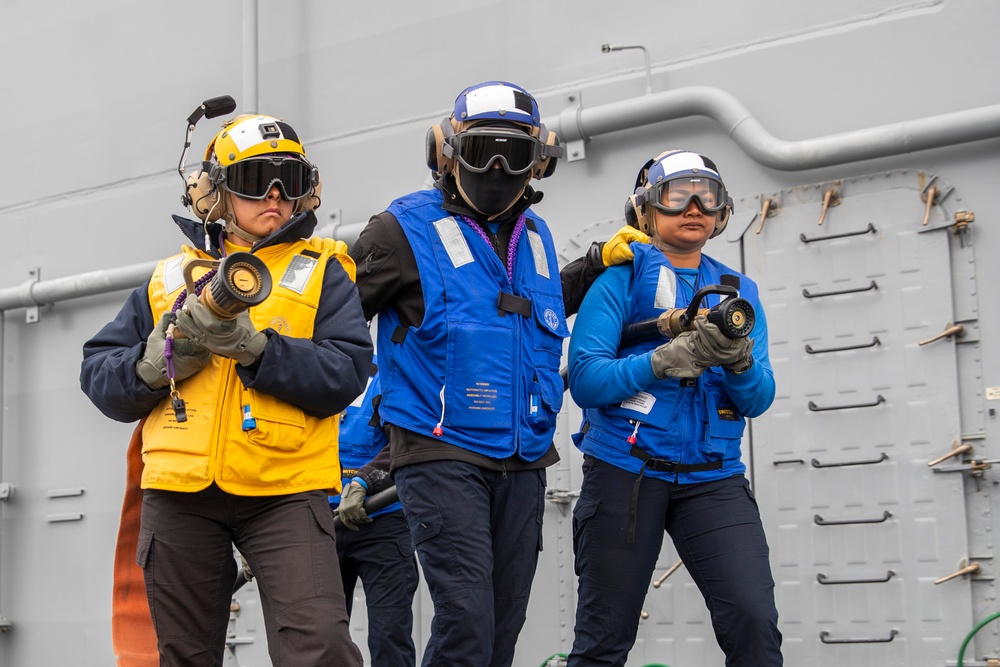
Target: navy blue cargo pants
point(381, 555)
point(716, 529)
point(477, 533)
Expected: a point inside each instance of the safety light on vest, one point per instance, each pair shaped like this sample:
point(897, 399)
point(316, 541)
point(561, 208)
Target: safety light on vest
point(438, 431)
point(249, 423)
point(632, 438)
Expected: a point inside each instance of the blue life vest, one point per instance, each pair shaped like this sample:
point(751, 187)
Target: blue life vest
point(693, 424)
point(360, 440)
point(482, 370)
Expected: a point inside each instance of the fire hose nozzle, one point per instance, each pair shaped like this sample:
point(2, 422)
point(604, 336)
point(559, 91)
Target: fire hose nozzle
point(241, 281)
point(734, 316)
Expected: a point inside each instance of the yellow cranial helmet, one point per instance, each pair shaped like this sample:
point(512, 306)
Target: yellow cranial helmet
point(252, 135)
point(248, 157)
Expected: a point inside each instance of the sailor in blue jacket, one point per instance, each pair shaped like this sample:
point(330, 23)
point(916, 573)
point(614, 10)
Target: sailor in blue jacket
point(377, 547)
point(662, 428)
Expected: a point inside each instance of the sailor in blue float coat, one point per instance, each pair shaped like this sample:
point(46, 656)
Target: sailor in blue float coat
point(465, 283)
point(482, 370)
point(662, 428)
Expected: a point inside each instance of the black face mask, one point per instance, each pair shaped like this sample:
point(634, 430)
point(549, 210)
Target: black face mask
point(493, 191)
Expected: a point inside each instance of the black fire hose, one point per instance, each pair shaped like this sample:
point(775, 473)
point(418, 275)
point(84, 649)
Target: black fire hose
point(372, 504)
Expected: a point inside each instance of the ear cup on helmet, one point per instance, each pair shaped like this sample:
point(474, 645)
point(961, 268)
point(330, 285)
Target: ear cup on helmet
point(547, 164)
point(631, 212)
point(438, 153)
point(720, 225)
point(637, 213)
point(431, 148)
point(203, 194)
point(313, 201)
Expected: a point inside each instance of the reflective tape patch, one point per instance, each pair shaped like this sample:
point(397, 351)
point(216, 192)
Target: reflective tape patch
point(454, 243)
point(173, 275)
point(666, 289)
point(538, 253)
point(298, 273)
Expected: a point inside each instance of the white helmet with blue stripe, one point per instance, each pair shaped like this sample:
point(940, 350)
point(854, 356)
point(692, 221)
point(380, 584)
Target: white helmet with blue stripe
point(489, 107)
point(654, 190)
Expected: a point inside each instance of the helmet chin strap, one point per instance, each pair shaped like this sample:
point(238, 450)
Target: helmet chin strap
point(232, 228)
point(229, 216)
point(659, 243)
point(666, 247)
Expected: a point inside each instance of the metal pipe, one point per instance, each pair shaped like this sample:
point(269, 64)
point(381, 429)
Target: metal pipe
point(34, 293)
point(607, 48)
point(250, 55)
point(577, 123)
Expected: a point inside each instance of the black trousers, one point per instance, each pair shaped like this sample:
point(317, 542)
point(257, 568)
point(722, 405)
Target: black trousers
point(716, 529)
point(186, 552)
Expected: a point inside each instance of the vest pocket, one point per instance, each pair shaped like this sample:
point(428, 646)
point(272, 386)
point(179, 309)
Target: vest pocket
point(724, 430)
point(278, 425)
point(550, 327)
point(479, 388)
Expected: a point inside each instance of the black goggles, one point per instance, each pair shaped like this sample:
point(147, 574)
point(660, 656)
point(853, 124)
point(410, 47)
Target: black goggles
point(477, 150)
point(253, 178)
point(674, 196)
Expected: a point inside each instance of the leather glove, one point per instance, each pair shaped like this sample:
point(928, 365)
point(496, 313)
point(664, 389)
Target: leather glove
point(351, 510)
point(679, 358)
point(236, 339)
point(617, 251)
point(733, 354)
point(188, 356)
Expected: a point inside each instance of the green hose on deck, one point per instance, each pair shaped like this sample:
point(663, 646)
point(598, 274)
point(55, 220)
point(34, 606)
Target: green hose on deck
point(968, 637)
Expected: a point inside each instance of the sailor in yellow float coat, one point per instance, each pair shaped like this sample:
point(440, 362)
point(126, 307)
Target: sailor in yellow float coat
point(239, 429)
point(288, 450)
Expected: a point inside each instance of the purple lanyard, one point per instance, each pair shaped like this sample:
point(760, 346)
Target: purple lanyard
point(511, 247)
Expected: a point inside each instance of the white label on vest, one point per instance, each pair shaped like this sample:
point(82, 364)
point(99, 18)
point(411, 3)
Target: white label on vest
point(641, 402)
point(454, 243)
point(538, 253)
point(298, 272)
point(666, 289)
point(173, 275)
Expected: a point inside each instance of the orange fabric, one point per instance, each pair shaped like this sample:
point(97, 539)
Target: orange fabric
point(132, 634)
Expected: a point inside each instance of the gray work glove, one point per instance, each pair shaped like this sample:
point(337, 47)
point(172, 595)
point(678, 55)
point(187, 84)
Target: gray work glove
point(351, 510)
point(188, 356)
point(679, 358)
point(733, 354)
point(236, 339)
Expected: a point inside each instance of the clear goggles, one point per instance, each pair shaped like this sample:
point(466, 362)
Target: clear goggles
point(254, 177)
point(478, 149)
point(675, 195)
